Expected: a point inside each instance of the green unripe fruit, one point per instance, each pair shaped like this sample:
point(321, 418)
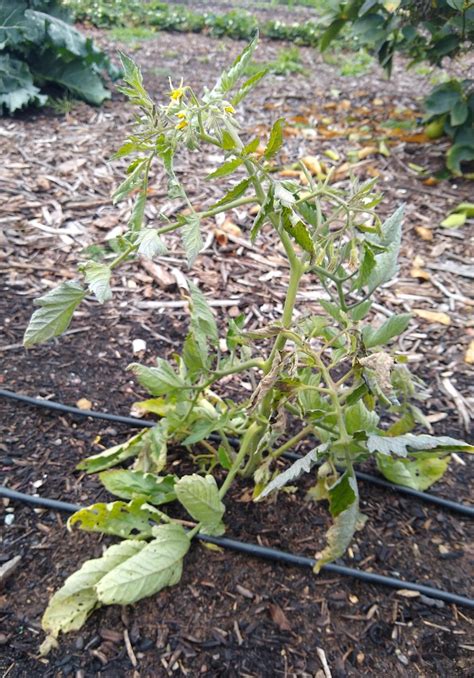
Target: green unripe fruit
point(435, 129)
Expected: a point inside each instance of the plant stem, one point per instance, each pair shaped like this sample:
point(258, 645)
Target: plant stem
point(292, 441)
point(245, 446)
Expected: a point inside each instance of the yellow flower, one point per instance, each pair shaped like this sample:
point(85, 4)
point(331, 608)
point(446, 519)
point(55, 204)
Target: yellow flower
point(182, 124)
point(229, 109)
point(177, 94)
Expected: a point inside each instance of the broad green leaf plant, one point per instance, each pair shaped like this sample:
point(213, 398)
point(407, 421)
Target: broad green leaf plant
point(329, 378)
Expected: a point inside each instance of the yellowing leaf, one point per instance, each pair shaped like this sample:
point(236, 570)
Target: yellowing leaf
point(367, 151)
point(312, 163)
point(432, 316)
point(454, 220)
point(469, 357)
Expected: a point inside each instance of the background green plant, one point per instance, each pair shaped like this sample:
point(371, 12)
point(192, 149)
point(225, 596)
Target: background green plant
point(328, 377)
point(422, 31)
point(41, 52)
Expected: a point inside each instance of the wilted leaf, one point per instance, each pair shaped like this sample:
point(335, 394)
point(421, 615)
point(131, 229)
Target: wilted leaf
point(418, 474)
point(157, 380)
point(54, 316)
point(200, 497)
point(150, 243)
point(129, 484)
point(114, 455)
point(134, 519)
point(98, 278)
point(159, 564)
point(69, 608)
point(403, 445)
point(303, 465)
point(340, 534)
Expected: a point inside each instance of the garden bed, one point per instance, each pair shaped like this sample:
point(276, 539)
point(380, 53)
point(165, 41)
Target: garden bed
point(230, 615)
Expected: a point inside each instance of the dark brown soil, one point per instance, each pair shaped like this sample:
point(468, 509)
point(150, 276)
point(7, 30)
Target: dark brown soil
point(231, 615)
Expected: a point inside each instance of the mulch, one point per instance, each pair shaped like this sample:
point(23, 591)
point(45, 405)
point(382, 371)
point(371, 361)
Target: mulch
point(230, 615)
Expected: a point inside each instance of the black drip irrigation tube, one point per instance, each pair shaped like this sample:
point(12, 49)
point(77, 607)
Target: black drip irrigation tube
point(267, 553)
point(143, 423)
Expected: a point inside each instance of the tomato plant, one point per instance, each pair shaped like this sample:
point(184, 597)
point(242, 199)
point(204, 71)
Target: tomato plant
point(329, 378)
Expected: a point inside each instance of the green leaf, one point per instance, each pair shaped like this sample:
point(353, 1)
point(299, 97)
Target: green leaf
point(114, 455)
point(150, 243)
point(230, 77)
point(16, 85)
point(157, 446)
point(159, 380)
point(200, 497)
point(386, 262)
point(340, 534)
point(360, 311)
point(55, 313)
point(159, 564)
point(69, 608)
point(330, 33)
point(342, 494)
point(297, 229)
point(405, 444)
point(132, 182)
point(265, 210)
point(330, 308)
point(134, 519)
point(175, 189)
point(248, 86)
point(391, 328)
point(227, 168)
point(418, 474)
point(443, 98)
point(367, 265)
point(303, 465)
point(191, 237)
point(276, 139)
point(98, 278)
point(203, 322)
point(234, 193)
point(357, 394)
point(455, 220)
point(128, 484)
point(457, 154)
point(75, 75)
point(135, 222)
point(459, 113)
point(359, 418)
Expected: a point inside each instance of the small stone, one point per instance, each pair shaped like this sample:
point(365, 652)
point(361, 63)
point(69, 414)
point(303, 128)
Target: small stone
point(138, 346)
point(9, 519)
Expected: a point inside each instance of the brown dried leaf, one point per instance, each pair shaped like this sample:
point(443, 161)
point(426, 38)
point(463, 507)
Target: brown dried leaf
point(424, 233)
point(278, 617)
point(432, 316)
point(84, 404)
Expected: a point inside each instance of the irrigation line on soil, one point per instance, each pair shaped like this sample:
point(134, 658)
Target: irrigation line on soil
point(143, 423)
point(268, 553)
